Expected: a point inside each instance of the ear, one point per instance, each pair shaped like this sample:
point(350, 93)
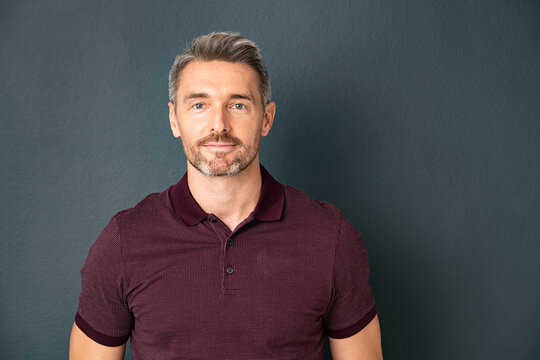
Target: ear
point(268, 117)
point(173, 121)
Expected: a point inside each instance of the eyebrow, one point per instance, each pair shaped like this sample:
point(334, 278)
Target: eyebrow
point(242, 96)
point(203, 95)
point(195, 96)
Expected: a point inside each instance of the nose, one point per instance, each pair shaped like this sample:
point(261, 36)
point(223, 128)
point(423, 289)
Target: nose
point(220, 121)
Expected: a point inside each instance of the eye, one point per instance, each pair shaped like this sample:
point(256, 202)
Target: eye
point(239, 106)
point(198, 106)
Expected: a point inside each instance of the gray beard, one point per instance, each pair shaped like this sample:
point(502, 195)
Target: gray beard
point(237, 165)
point(234, 169)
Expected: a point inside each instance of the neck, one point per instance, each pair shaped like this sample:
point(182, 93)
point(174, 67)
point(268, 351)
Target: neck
point(230, 198)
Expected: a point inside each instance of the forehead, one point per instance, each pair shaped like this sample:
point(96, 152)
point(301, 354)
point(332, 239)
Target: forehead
point(218, 77)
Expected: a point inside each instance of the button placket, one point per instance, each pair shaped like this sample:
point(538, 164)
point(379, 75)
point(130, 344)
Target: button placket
point(230, 270)
point(224, 237)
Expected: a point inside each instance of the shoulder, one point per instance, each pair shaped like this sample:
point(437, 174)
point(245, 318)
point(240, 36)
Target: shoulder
point(141, 212)
point(320, 214)
point(149, 210)
point(298, 200)
point(127, 227)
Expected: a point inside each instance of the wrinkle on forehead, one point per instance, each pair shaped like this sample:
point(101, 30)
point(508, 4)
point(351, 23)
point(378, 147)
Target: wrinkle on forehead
point(205, 79)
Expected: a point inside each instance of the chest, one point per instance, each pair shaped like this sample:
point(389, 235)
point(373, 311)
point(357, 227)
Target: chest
point(261, 287)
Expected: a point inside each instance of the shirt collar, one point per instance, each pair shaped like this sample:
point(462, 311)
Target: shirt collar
point(268, 208)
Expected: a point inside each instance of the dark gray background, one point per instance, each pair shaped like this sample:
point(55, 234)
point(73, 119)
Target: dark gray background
point(419, 119)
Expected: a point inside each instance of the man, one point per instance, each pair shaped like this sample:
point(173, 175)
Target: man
point(228, 263)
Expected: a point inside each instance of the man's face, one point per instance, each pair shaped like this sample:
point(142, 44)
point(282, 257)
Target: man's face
point(220, 116)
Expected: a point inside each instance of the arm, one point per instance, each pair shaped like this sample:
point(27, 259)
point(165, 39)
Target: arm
point(365, 344)
point(81, 347)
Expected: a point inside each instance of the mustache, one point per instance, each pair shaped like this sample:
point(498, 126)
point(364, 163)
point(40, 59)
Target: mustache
point(219, 137)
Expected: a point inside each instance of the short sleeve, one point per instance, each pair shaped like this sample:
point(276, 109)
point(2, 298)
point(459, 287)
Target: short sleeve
point(102, 313)
point(352, 306)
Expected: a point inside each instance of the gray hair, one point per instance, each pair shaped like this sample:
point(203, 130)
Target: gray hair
point(225, 46)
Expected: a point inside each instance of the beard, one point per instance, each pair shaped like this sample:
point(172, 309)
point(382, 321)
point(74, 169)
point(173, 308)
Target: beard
point(220, 165)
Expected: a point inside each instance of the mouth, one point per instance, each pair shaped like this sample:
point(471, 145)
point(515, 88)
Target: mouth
point(219, 143)
point(213, 146)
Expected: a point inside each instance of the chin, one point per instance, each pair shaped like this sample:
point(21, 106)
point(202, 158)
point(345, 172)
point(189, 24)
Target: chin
point(214, 171)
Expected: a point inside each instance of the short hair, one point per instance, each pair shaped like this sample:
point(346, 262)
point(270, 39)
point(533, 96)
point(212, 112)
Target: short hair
point(225, 46)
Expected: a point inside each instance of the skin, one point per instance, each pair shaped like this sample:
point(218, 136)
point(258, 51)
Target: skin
point(81, 347)
point(219, 115)
point(365, 344)
point(222, 98)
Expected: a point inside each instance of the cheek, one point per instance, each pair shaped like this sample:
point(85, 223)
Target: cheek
point(190, 130)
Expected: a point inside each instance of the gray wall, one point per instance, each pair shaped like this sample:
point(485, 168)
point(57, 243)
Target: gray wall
point(420, 119)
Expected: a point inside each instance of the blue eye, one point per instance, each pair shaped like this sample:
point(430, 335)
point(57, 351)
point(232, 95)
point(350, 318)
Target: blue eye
point(239, 106)
point(198, 106)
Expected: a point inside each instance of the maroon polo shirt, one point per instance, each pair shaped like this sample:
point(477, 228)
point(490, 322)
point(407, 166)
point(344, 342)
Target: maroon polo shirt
point(183, 286)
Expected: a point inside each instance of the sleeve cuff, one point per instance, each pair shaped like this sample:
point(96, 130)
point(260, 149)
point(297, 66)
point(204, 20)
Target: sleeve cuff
point(351, 330)
point(97, 336)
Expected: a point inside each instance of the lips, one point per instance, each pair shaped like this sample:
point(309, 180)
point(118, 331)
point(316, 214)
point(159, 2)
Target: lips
point(212, 144)
point(219, 148)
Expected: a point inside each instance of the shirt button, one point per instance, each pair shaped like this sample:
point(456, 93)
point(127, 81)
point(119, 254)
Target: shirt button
point(229, 270)
point(212, 219)
point(229, 242)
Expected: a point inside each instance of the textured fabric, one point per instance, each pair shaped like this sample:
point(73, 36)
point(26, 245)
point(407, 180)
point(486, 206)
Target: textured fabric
point(182, 285)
